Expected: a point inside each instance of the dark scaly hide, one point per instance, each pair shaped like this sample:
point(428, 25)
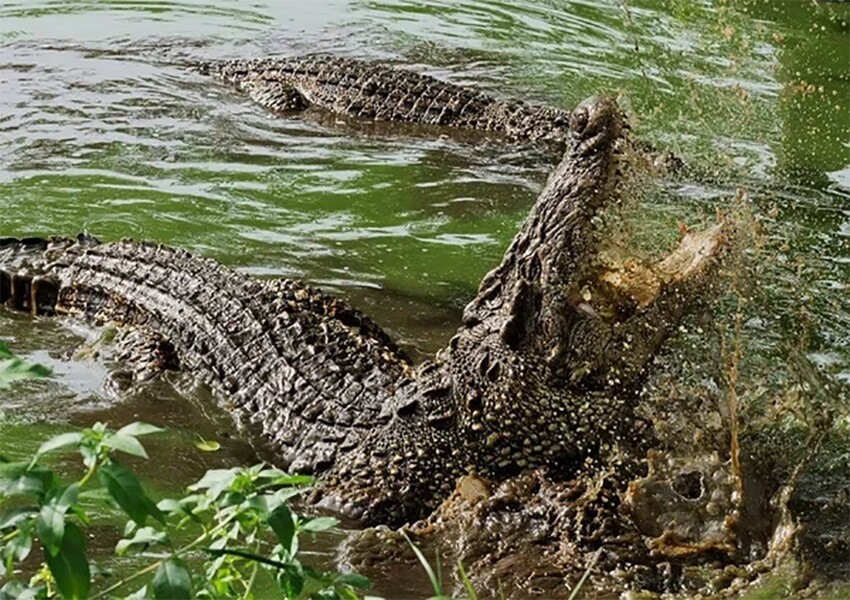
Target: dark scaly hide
point(538, 375)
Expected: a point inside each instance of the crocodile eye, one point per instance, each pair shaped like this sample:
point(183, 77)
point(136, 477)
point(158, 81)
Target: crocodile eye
point(578, 120)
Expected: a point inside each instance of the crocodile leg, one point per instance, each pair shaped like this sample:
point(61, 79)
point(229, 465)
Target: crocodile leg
point(306, 373)
point(544, 372)
point(274, 95)
point(379, 92)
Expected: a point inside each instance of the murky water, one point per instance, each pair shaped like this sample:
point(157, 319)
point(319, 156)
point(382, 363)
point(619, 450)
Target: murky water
point(103, 129)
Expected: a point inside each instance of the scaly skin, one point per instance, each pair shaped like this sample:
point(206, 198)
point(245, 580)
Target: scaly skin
point(305, 372)
point(380, 92)
point(536, 376)
point(542, 373)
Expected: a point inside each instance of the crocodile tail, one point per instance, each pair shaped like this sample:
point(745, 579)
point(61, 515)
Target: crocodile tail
point(27, 289)
point(309, 383)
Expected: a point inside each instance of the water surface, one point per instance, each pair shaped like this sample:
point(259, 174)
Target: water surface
point(103, 129)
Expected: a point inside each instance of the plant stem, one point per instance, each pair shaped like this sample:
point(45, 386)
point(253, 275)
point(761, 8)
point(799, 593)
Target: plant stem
point(197, 541)
point(247, 555)
point(9, 536)
point(90, 473)
point(253, 573)
point(128, 579)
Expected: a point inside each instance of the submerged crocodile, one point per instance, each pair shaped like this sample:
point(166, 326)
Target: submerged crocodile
point(544, 371)
point(379, 92)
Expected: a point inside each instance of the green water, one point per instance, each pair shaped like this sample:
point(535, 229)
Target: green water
point(102, 130)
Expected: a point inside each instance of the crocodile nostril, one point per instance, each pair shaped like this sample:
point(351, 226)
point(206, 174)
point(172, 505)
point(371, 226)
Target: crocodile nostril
point(579, 120)
point(689, 485)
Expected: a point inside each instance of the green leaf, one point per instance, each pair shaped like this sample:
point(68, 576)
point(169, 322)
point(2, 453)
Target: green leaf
point(89, 456)
point(315, 582)
point(17, 479)
point(280, 496)
point(139, 594)
point(13, 516)
point(51, 528)
point(283, 525)
point(138, 428)
point(353, 579)
point(51, 520)
point(291, 582)
point(216, 481)
point(20, 545)
point(125, 443)
point(29, 592)
point(467, 584)
point(169, 506)
point(436, 580)
point(231, 499)
point(69, 566)
point(172, 581)
point(13, 368)
point(345, 592)
point(60, 441)
point(319, 524)
point(293, 480)
point(15, 590)
point(260, 504)
point(81, 514)
point(218, 544)
point(4, 350)
point(130, 527)
point(128, 493)
point(66, 497)
point(207, 445)
point(270, 473)
point(143, 537)
point(95, 495)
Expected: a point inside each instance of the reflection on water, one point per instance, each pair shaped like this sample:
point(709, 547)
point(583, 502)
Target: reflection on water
point(104, 129)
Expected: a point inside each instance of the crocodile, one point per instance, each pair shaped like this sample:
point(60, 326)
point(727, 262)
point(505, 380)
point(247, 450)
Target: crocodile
point(378, 92)
point(544, 372)
point(382, 93)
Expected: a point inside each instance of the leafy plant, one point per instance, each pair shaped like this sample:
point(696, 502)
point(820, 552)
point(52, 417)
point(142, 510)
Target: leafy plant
point(237, 520)
point(13, 368)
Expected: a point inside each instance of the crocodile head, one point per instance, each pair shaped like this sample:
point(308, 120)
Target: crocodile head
point(566, 293)
point(549, 362)
point(558, 235)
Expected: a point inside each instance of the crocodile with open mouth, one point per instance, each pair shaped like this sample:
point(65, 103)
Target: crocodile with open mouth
point(544, 371)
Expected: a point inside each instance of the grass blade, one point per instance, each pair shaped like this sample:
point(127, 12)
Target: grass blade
point(586, 574)
point(436, 584)
point(467, 584)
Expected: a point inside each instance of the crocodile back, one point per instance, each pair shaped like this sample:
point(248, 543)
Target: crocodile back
point(305, 371)
point(381, 92)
